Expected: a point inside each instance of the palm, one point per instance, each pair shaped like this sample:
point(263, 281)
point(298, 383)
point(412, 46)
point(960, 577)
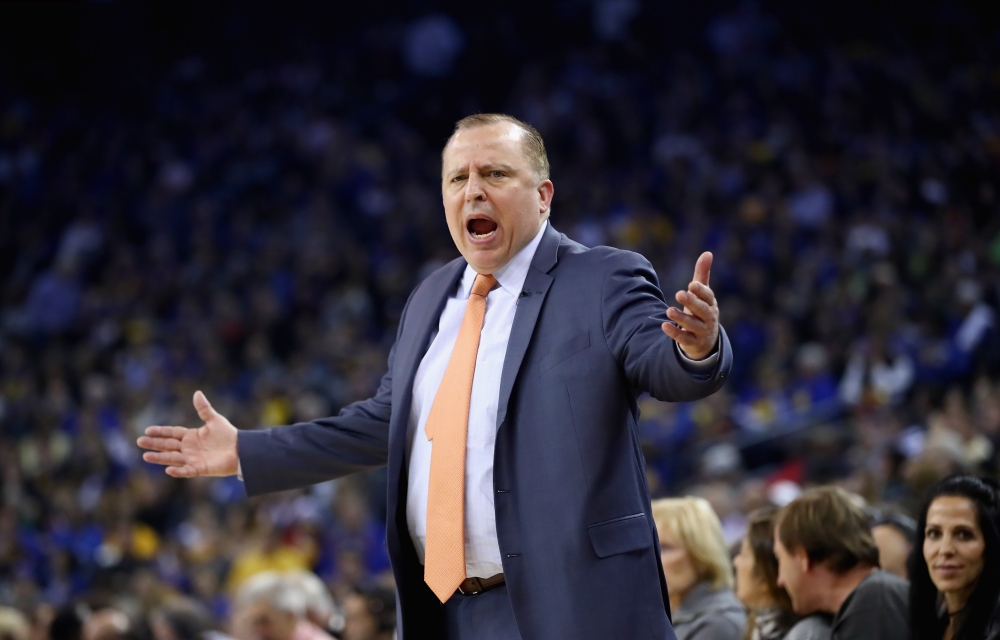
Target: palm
point(200, 447)
point(187, 453)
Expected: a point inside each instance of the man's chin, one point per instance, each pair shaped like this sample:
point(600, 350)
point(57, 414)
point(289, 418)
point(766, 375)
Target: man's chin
point(485, 260)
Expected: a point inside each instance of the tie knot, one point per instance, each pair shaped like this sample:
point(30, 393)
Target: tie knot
point(483, 284)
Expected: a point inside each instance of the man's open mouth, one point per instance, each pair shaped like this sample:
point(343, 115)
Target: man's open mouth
point(481, 227)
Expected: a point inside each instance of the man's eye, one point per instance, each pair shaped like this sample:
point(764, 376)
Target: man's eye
point(457, 178)
point(496, 174)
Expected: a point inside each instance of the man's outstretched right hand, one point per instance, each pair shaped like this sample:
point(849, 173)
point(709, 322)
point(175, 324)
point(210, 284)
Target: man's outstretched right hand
point(189, 453)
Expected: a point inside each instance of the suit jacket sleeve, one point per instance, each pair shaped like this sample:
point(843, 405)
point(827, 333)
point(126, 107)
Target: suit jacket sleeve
point(632, 304)
point(298, 455)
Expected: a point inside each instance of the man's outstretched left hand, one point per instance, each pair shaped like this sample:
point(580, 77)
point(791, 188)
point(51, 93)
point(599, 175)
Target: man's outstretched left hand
point(697, 328)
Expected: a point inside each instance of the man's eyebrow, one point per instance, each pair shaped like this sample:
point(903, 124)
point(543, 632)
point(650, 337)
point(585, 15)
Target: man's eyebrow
point(498, 166)
point(495, 166)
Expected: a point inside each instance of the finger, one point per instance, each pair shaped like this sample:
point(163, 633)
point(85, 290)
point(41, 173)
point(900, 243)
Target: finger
point(203, 406)
point(165, 457)
point(703, 292)
point(694, 305)
point(166, 432)
point(159, 444)
point(688, 322)
point(185, 471)
point(703, 268)
point(680, 336)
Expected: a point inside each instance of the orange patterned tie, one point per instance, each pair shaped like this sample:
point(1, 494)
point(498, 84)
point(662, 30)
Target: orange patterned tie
point(447, 426)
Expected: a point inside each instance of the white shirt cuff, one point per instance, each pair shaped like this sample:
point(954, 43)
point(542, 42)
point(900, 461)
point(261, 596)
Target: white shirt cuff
point(239, 470)
point(704, 365)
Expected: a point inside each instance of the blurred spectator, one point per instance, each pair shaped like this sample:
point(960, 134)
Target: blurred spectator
point(320, 608)
point(955, 589)
point(894, 535)
point(107, 624)
point(697, 569)
point(770, 615)
point(268, 607)
point(267, 551)
point(875, 373)
point(828, 564)
point(67, 624)
point(370, 615)
point(14, 625)
point(183, 619)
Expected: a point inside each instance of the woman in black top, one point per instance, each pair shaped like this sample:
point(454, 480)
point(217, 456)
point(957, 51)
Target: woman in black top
point(955, 564)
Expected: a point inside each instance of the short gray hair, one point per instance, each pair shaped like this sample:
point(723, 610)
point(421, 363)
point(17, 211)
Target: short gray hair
point(534, 146)
point(317, 597)
point(272, 587)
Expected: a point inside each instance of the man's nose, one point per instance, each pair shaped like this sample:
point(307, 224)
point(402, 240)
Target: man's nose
point(474, 188)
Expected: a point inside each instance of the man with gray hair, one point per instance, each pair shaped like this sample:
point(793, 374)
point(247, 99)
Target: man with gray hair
point(270, 606)
point(518, 507)
point(320, 608)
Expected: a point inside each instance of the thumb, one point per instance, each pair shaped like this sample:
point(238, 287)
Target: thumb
point(703, 268)
point(203, 407)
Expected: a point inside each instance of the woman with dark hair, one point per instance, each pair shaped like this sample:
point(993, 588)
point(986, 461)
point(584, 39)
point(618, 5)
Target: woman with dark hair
point(770, 609)
point(955, 564)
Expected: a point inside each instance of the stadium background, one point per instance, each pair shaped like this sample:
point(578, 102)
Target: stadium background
point(239, 197)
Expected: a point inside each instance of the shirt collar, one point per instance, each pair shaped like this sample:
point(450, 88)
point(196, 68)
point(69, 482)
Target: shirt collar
point(513, 274)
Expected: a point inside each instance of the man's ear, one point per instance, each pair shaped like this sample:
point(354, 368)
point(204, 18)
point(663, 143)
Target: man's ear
point(545, 192)
point(802, 560)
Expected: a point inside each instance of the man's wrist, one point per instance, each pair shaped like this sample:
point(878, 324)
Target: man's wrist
point(714, 350)
point(704, 365)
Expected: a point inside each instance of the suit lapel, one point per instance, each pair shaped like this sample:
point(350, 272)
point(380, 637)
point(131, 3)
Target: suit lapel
point(536, 287)
point(422, 320)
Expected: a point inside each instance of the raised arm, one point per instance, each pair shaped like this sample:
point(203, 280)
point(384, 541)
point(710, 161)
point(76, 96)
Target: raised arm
point(648, 339)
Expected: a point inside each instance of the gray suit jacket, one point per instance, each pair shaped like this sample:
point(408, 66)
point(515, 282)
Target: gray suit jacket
point(707, 614)
point(577, 540)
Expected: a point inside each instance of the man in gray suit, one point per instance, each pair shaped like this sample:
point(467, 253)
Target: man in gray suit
point(558, 537)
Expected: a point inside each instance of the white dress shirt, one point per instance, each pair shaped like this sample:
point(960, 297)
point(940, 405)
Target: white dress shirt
point(482, 551)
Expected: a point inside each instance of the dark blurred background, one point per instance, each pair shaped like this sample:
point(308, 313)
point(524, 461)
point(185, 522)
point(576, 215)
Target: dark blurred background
point(238, 197)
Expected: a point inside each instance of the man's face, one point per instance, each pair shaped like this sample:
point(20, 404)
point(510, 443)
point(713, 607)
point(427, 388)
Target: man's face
point(263, 621)
point(793, 576)
point(493, 200)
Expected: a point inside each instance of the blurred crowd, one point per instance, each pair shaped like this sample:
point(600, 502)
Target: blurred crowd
point(255, 235)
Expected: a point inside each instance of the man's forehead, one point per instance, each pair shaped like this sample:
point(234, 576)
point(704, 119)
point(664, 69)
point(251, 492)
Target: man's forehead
point(501, 137)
